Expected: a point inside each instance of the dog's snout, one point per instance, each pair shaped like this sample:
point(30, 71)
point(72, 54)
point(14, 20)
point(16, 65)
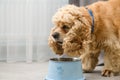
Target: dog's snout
point(55, 35)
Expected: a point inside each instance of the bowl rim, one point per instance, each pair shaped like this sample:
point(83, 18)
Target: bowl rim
point(65, 59)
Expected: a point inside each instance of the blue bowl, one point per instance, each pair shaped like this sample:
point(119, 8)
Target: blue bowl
point(65, 69)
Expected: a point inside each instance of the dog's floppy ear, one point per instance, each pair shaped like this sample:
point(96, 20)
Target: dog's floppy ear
point(77, 38)
point(82, 28)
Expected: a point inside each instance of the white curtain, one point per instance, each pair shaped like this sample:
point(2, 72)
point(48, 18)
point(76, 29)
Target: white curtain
point(24, 29)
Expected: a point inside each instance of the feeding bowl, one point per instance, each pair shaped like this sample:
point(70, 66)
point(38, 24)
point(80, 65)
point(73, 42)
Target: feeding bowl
point(65, 69)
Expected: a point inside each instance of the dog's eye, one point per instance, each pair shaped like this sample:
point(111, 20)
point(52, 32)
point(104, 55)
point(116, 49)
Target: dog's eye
point(65, 27)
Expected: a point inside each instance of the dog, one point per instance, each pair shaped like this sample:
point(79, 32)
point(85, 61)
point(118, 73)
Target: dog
point(85, 31)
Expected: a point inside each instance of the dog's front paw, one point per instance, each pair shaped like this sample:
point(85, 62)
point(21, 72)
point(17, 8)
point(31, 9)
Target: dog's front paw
point(87, 70)
point(107, 73)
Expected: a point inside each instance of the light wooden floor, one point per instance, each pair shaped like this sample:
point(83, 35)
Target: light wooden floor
point(38, 71)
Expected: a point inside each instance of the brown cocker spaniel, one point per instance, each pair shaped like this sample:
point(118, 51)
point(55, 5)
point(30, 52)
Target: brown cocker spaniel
point(85, 31)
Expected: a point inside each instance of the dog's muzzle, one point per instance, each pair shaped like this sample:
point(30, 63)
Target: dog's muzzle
point(56, 37)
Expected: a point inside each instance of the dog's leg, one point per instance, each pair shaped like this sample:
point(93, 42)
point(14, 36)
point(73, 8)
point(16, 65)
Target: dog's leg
point(89, 61)
point(112, 63)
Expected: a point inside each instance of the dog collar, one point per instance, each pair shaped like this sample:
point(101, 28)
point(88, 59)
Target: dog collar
point(92, 16)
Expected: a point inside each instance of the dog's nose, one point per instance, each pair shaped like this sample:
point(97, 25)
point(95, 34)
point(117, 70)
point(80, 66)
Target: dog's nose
point(55, 35)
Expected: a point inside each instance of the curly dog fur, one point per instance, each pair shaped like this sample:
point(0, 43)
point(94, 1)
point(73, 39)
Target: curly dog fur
point(72, 34)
